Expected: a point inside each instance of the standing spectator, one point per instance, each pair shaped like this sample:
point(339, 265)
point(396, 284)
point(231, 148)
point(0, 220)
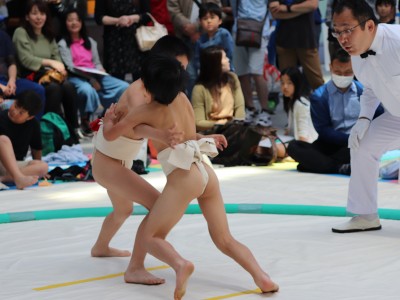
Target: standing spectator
point(375, 58)
point(10, 85)
point(120, 19)
point(295, 38)
point(210, 16)
point(249, 62)
point(217, 96)
point(184, 16)
point(19, 131)
point(386, 11)
point(37, 51)
point(297, 106)
point(79, 50)
point(333, 44)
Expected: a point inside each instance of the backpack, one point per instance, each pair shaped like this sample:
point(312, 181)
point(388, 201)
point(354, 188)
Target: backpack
point(55, 133)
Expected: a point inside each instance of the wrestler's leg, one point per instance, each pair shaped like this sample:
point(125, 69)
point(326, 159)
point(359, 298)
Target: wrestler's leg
point(124, 187)
point(182, 186)
point(136, 272)
point(122, 209)
point(212, 206)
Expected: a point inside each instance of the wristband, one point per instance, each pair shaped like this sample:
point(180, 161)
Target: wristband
point(289, 9)
point(364, 118)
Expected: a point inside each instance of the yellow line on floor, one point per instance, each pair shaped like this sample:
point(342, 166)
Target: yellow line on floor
point(256, 291)
point(59, 285)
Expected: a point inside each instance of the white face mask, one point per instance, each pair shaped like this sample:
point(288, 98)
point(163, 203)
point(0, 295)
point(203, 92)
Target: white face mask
point(342, 81)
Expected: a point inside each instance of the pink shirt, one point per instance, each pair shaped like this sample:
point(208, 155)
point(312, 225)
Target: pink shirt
point(81, 56)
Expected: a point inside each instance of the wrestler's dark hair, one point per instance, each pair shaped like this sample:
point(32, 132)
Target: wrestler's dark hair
point(341, 55)
point(30, 101)
point(360, 10)
point(171, 46)
point(163, 77)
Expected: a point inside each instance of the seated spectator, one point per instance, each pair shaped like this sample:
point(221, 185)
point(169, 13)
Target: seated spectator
point(217, 96)
point(297, 106)
point(10, 85)
point(210, 16)
point(386, 10)
point(58, 8)
point(77, 49)
point(335, 107)
point(19, 131)
point(37, 52)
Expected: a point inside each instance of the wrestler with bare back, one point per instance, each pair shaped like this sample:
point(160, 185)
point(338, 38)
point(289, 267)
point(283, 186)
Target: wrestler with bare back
point(188, 177)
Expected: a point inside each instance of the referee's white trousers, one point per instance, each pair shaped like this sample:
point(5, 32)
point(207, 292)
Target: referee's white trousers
point(383, 135)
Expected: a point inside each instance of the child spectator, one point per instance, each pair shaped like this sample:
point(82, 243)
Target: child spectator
point(386, 10)
point(297, 106)
point(217, 96)
point(19, 131)
point(210, 16)
point(77, 49)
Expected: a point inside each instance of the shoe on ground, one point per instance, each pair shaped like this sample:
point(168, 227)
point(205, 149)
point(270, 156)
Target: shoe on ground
point(251, 116)
point(356, 224)
point(264, 119)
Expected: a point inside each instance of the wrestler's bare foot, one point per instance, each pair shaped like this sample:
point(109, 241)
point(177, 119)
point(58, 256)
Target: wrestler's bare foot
point(24, 181)
point(182, 276)
point(109, 252)
point(265, 283)
point(141, 276)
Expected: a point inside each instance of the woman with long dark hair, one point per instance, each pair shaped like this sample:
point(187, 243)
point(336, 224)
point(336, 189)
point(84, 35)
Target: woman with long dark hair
point(297, 106)
point(217, 96)
point(93, 85)
point(37, 51)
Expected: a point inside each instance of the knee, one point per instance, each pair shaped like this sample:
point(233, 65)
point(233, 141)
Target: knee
point(224, 242)
point(123, 214)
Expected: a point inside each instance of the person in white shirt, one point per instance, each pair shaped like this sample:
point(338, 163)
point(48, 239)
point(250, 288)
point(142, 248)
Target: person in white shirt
point(376, 63)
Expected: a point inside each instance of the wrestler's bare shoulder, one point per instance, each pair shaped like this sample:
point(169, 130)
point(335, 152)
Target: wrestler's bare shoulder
point(133, 96)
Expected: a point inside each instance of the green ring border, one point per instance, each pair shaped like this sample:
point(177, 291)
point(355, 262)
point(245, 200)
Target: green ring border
point(279, 209)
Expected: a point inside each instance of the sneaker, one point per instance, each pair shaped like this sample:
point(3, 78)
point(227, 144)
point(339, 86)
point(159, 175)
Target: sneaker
point(85, 127)
point(358, 223)
point(264, 119)
point(251, 115)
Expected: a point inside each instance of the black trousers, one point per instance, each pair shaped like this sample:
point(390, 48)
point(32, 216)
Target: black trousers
point(318, 157)
point(63, 94)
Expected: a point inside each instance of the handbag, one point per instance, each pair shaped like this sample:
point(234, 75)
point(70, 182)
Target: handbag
point(147, 36)
point(47, 76)
point(249, 31)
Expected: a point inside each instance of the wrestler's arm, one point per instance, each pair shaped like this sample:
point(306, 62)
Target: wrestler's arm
point(220, 141)
point(114, 128)
point(170, 137)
